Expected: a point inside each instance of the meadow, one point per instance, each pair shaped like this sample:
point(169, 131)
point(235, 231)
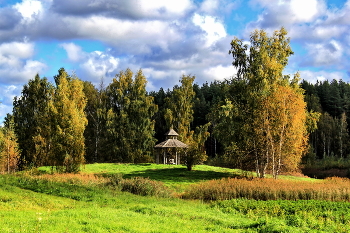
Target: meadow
point(101, 199)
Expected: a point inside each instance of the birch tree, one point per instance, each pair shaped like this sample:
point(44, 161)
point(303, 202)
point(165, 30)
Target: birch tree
point(68, 122)
point(129, 119)
point(261, 105)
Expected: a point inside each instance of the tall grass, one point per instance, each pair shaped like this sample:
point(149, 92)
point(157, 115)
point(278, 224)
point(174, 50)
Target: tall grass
point(332, 189)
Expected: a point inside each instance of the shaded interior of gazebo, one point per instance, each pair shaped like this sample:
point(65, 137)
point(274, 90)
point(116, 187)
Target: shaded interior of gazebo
point(169, 149)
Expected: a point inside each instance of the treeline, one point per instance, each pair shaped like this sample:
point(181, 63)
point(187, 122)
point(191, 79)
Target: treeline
point(257, 120)
point(332, 99)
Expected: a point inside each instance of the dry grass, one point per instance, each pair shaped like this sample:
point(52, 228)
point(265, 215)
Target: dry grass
point(332, 189)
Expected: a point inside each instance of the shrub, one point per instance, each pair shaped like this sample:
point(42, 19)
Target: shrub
point(144, 187)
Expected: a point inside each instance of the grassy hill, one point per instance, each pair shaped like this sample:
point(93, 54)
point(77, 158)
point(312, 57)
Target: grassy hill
point(37, 201)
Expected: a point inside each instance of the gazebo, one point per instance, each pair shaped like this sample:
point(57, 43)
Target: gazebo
point(170, 145)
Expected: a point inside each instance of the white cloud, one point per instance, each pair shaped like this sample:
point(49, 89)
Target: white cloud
point(286, 13)
point(7, 95)
point(15, 63)
point(214, 29)
point(16, 49)
point(158, 8)
point(91, 66)
point(325, 54)
point(29, 9)
point(100, 65)
point(74, 51)
point(220, 72)
point(314, 76)
point(135, 36)
point(209, 6)
point(304, 11)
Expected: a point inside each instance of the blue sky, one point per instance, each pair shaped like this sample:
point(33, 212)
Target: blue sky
point(98, 38)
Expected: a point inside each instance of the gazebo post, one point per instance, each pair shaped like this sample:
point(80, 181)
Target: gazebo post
point(164, 156)
point(176, 157)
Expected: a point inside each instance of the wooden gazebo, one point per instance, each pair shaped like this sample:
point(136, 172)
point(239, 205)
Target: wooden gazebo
point(168, 147)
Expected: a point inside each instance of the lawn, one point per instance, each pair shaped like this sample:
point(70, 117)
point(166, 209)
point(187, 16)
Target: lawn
point(87, 203)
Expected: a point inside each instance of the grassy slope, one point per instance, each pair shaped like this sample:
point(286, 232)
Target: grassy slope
point(69, 207)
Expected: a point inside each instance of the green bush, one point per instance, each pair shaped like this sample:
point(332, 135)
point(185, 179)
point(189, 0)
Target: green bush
point(144, 187)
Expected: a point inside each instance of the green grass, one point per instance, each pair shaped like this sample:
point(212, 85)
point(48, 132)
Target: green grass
point(174, 176)
point(36, 204)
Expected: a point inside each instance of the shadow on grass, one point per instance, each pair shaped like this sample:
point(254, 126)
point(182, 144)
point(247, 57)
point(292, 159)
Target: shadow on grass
point(179, 175)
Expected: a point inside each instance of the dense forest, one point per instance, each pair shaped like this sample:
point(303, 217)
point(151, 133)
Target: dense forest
point(259, 120)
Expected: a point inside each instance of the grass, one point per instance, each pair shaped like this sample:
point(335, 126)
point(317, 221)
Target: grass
point(173, 176)
point(40, 202)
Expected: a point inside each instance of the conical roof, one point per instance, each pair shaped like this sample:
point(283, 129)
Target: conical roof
point(170, 143)
point(171, 132)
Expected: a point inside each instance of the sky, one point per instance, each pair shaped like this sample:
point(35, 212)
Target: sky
point(96, 39)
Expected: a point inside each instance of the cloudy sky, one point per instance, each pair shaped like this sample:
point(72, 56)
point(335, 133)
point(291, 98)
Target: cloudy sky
point(97, 38)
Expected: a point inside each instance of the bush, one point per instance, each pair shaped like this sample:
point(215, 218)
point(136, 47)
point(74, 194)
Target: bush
point(144, 187)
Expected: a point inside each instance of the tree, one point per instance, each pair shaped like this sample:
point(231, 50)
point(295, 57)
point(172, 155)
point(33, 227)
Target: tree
point(196, 153)
point(129, 118)
point(31, 115)
point(9, 151)
point(259, 110)
point(68, 122)
point(179, 113)
point(96, 112)
point(179, 116)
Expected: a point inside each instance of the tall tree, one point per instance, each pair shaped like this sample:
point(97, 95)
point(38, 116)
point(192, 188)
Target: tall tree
point(31, 114)
point(179, 116)
point(258, 112)
point(96, 113)
point(68, 121)
point(179, 113)
point(129, 120)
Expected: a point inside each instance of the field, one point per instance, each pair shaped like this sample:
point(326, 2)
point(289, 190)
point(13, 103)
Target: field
point(93, 201)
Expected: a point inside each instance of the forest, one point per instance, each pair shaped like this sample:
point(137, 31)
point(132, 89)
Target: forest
point(259, 120)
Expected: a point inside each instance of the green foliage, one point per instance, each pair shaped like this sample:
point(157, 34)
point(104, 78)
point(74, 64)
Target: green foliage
point(331, 99)
point(144, 187)
point(196, 153)
point(129, 119)
point(96, 113)
point(179, 116)
point(31, 122)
